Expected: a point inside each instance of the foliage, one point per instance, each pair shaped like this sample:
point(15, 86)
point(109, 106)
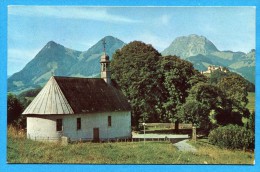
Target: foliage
point(14, 109)
point(226, 116)
point(155, 85)
point(194, 112)
point(175, 78)
point(251, 121)
point(203, 101)
point(234, 89)
point(232, 137)
point(251, 101)
point(217, 75)
point(208, 94)
point(135, 66)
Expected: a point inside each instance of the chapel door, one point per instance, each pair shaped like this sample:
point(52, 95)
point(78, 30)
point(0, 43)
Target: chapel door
point(95, 134)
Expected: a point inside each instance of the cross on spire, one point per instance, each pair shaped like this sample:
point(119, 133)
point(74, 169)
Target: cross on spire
point(104, 45)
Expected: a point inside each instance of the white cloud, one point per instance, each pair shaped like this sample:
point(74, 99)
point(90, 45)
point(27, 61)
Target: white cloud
point(87, 13)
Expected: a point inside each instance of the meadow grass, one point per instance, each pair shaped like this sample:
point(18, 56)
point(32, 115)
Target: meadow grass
point(22, 150)
point(251, 101)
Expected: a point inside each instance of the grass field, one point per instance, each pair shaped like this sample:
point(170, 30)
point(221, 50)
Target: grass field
point(251, 101)
point(22, 150)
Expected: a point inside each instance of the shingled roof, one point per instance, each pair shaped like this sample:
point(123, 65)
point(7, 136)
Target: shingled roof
point(69, 95)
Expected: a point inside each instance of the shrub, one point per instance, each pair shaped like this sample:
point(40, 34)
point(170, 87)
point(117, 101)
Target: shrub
point(14, 109)
point(232, 137)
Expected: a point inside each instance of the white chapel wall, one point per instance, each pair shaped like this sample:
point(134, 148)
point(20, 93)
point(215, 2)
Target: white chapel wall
point(120, 128)
point(45, 128)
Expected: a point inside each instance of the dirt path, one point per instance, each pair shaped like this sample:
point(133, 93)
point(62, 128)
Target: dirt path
point(184, 146)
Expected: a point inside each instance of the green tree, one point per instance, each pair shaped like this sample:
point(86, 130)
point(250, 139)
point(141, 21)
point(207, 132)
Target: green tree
point(208, 94)
point(14, 109)
point(251, 121)
point(196, 113)
point(201, 105)
point(234, 88)
point(135, 72)
point(176, 77)
point(216, 75)
point(155, 85)
point(235, 91)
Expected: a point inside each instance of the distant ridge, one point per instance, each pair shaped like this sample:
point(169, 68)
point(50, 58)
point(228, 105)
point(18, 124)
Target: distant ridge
point(203, 53)
point(55, 59)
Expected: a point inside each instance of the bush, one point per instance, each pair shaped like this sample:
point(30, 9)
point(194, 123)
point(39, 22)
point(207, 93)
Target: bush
point(251, 122)
point(232, 137)
point(14, 109)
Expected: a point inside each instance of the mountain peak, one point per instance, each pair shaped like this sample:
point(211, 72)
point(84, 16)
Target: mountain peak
point(110, 39)
point(52, 44)
point(191, 45)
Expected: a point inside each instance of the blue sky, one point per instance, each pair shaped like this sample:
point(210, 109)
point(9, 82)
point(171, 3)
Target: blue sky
point(31, 27)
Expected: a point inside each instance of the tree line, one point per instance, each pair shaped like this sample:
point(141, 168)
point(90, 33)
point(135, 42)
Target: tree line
point(169, 89)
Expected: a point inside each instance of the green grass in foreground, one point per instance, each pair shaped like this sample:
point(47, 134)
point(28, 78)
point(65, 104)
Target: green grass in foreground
point(21, 150)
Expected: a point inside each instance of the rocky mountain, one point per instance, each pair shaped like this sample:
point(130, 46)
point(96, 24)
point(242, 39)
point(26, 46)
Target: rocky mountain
point(192, 45)
point(202, 53)
point(55, 59)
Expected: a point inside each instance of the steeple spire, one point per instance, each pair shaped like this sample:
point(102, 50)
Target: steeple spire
point(105, 65)
point(104, 45)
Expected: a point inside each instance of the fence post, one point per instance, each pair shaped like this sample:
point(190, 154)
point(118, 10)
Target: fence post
point(194, 134)
point(64, 140)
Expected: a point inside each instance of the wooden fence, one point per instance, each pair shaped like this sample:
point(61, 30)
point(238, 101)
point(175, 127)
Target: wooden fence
point(167, 125)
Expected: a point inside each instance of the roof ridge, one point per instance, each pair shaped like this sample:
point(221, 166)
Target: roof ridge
point(74, 77)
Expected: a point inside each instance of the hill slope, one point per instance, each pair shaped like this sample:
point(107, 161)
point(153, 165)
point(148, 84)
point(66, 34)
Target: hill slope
point(55, 59)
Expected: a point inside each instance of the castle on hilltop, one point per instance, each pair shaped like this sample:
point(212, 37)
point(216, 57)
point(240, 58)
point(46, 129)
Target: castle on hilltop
point(212, 68)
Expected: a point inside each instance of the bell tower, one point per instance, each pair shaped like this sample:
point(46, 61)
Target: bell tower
point(105, 65)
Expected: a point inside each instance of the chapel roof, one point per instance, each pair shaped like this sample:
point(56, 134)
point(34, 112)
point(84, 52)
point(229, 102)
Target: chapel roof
point(71, 95)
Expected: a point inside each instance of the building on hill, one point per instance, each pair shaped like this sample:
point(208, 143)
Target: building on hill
point(79, 108)
point(212, 68)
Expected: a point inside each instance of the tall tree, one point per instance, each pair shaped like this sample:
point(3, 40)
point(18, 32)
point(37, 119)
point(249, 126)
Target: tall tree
point(135, 71)
point(176, 77)
point(155, 85)
point(194, 112)
point(203, 102)
point(235, 91)
point(234, 88)
point(208, 94)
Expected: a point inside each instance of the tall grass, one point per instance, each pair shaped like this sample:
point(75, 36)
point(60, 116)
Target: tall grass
point(22, 150)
